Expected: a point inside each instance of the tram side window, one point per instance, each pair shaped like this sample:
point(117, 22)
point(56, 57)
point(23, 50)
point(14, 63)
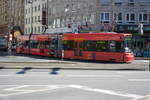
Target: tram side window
point(115, 46)
point(112, 46)
point(34, 44)
point(89, 45)
point(26, 44)
point(119, 46)
point(96, 46)
point(68, 44)
point(47, 44)
point(101, 46)
point(41, 45)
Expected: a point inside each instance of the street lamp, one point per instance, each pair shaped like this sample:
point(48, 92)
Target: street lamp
point(31, 2)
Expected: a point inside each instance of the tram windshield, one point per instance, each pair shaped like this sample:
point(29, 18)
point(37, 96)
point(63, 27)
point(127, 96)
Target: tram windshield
point(128, 44)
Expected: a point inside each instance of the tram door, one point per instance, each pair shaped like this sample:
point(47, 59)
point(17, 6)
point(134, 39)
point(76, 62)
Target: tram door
point(78, 48)
point(41, 47)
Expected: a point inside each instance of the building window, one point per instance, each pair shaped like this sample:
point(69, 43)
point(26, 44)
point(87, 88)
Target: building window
point(105, 17)
point(118, 17)
point(130, 17)
point(29, 21)
point(105, 2)
point(35, 19)
point(35, 8)
point(39, 29)
point(29, 11)
point(38, 18)
point(26, 11)
point(130, 2)
point(29, 30)
point(143, 17)
point(39, 8)
point(118, 3)
point(26, 30)
point(35, 29)
point(26, 21)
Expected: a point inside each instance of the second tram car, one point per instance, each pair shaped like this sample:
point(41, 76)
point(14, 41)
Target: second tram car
point(86, 46)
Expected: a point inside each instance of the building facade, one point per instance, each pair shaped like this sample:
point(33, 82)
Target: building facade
point(17, 15)
point(11, 16)
point(4, 16)
point(64, 13)
point(100, 15)
point(125, 12)
point(33, 16)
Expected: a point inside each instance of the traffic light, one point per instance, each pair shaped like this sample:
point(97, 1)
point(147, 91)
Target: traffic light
point(44, 17)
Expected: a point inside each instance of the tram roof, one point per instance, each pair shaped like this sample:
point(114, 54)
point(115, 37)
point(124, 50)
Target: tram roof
point(105, 33)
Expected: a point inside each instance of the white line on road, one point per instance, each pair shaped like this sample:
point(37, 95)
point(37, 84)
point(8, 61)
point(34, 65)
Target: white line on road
point(147, 97)
point(15, 88)
point(110, 92)
point(24, 89)
point(139, 80)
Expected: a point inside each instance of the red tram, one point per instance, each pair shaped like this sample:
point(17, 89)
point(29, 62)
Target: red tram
point(86, 46)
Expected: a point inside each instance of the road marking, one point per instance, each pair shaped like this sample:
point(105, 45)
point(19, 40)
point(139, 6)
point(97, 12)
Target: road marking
point(24, 90)
point(147, 97)
point(110, 92)
point(139, 80)
point(15, 88)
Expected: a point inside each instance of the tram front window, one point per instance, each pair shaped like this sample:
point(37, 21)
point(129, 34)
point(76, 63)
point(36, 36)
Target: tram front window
point(128, 44)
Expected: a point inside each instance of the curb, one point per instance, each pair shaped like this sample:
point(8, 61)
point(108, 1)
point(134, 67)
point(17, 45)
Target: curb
point(142, 58)
point(59, 62)
point(76, 68)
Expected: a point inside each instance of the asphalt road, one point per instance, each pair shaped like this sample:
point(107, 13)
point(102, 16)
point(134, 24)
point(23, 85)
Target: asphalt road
point(43, 78)
point(58, 84)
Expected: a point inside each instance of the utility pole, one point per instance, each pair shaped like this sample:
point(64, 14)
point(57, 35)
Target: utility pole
point(10, 29)
point(47, 14)
point(113, 19)
point(31, 2)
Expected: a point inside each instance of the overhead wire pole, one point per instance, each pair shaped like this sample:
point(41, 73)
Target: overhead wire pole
point(47, 14)
point(9, 29)
point(113, 19)
point(29, 44)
